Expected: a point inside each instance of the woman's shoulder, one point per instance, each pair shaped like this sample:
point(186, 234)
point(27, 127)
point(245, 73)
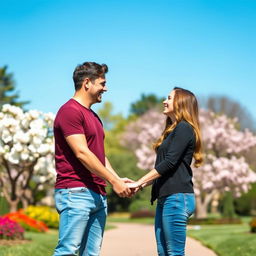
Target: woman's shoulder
point(184, 126)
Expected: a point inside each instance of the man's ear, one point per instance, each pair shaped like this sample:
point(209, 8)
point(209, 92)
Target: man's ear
point(86, 83)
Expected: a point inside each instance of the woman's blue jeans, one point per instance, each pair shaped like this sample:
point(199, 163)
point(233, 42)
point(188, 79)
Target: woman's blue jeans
point(82, 221)
point(171, 218)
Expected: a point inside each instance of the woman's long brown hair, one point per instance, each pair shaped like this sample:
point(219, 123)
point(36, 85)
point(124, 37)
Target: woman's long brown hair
point(185, 108)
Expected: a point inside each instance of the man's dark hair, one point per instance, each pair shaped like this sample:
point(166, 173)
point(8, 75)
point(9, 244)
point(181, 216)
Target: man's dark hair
point(89, 70)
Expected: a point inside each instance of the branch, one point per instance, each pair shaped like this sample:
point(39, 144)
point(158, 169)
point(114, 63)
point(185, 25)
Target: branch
point(22, 169)
point(30, 174)
point(8, 170)
point(209, 197)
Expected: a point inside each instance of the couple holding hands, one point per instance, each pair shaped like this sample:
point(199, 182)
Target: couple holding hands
point(83, 169)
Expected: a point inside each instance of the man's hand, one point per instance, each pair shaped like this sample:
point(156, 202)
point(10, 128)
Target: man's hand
point(131, 184)
point(121, 188)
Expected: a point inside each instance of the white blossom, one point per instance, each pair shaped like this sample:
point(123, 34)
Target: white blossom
point(26, 140)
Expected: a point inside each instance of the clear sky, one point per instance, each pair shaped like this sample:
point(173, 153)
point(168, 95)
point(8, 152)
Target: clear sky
point(150, 46)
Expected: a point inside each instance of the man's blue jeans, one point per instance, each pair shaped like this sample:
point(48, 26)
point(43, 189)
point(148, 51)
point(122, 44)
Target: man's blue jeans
point(82, 221)
point(172, 213)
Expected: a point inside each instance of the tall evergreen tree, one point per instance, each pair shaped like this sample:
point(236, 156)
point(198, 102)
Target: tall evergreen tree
point(7, 89)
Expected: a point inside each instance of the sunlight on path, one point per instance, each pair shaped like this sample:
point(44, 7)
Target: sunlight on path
point(139, 240)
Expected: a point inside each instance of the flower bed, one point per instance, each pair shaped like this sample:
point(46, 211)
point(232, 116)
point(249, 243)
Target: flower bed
point(43, 213)
point(10, 229)
point(27, 222)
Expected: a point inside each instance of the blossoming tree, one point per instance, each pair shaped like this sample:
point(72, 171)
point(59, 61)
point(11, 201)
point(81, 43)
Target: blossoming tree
point(26, 154)
point(140, 134)
point(224, 168)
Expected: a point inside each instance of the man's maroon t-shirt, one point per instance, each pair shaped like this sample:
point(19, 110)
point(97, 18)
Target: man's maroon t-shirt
point(73, 118)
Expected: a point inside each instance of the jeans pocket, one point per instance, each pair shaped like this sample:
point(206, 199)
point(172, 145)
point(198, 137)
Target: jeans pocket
point(189, 203)
point(60, 199)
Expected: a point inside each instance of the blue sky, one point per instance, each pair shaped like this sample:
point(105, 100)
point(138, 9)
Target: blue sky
point(150, 46)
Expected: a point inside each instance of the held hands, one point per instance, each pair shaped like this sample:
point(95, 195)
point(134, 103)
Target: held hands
point(121, 188)
point(126, 187)
point(134, 186)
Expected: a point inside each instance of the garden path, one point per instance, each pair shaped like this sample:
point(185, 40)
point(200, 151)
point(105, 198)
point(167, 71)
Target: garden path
point(129, 239)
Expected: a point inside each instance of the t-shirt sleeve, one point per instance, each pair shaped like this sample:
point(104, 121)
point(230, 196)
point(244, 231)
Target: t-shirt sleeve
point(71, 122)
point(180, 139)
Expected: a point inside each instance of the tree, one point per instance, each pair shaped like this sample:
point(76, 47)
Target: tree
point(226, 106)
point(145, 103)
point(220, 175)
point(224, 168)
point(140, 134)
point(7, 86)
point(26, 154)
point(110, 120)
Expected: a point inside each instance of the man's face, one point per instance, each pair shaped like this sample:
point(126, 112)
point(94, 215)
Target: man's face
point(97, 88)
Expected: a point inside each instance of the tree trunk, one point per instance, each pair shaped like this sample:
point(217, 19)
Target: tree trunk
point(24, 202)
point(215, 203)
point(13, 203)
point(202, 202)
point(27, 198)
point(201, 209)
point(13, 206)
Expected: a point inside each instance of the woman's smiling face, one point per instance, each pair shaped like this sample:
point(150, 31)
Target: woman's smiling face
point(168, 103)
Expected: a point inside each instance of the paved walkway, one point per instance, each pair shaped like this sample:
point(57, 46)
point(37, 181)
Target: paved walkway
point(138, 240)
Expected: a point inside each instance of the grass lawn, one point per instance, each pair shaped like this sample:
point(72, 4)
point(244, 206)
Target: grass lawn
point(227, 240)
point(42, 244)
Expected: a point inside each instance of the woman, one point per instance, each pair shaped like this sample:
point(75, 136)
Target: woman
point(172, 175)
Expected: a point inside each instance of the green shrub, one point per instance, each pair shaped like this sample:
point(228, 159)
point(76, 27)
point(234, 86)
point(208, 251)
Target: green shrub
point(214, 221)
point(142, 214)
point(246, 204)
point(4, 207)
point(253, 225)
point(125, 163)
point(141, 209)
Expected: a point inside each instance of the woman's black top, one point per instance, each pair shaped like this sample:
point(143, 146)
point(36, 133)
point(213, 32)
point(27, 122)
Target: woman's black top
point(173, 160)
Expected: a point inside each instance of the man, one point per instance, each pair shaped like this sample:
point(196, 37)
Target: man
point(81, 165)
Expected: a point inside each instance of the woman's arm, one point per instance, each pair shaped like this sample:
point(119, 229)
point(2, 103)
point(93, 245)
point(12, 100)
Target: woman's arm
point(144, 181)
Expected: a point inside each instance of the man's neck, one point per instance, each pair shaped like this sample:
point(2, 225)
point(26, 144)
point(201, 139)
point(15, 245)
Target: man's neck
point(82, 99)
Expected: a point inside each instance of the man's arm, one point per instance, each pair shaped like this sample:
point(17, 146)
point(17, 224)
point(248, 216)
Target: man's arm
point(110, 168)
point(78, 144)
